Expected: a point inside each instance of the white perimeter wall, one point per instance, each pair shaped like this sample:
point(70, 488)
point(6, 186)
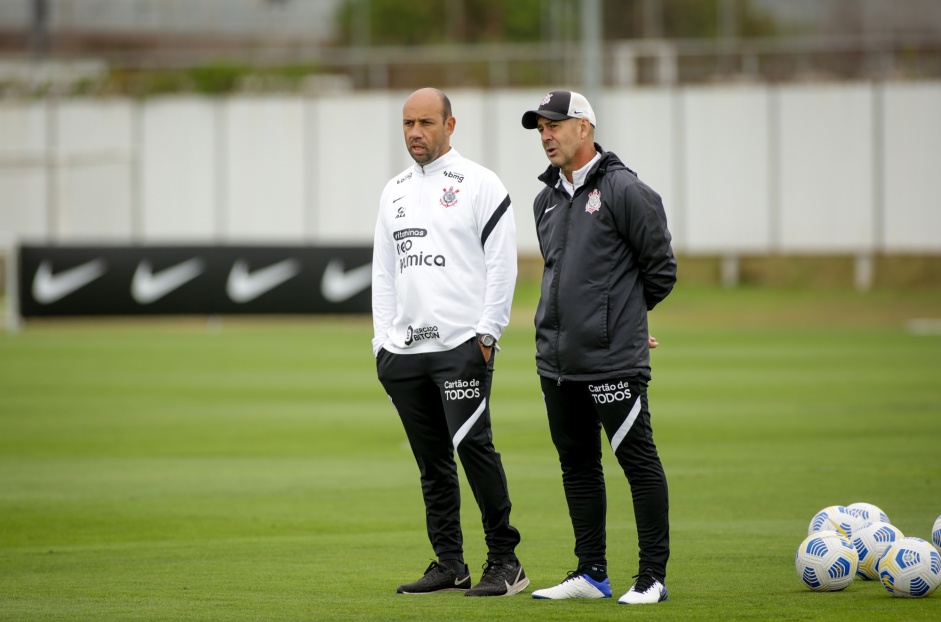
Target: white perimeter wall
point(828, 174)
point(741, 169)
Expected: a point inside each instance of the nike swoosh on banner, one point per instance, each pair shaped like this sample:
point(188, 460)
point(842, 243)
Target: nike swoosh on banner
point(339, 285)
point(148, 286)
point(549, 209)
point(245, 286)
point(49, 288)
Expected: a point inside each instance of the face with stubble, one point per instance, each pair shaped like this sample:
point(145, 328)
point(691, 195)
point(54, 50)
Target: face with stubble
point(565, 142)
point(427, 131)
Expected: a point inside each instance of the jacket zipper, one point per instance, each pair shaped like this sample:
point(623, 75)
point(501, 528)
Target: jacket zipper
point(565, 241)
point(558, 330)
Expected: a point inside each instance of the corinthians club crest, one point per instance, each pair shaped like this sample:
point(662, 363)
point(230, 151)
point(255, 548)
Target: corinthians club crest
point(594, 202)
point(449, 197)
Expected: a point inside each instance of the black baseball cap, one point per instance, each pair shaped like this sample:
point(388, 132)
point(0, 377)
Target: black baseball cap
point(558, 105)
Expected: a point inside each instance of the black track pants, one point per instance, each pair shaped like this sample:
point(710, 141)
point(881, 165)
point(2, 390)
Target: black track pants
point(577, 412)
point(443, 400)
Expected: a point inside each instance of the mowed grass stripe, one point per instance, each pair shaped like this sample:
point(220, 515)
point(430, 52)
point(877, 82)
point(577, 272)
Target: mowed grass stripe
point(255, 470)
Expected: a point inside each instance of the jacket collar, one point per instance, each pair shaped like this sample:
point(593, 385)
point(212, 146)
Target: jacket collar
point(550, 176)
point(436, 166)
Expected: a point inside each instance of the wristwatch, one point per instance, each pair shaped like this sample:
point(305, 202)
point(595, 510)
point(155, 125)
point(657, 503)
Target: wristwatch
point(487, 341)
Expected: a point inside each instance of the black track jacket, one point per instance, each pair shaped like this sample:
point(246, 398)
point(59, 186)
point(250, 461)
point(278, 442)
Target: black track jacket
point(608, 261)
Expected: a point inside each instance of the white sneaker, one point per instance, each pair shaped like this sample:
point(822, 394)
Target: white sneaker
point(645, 591)
point(576, 586)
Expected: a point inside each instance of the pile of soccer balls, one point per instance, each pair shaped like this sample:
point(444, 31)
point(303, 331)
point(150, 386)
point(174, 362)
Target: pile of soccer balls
point(859, 541)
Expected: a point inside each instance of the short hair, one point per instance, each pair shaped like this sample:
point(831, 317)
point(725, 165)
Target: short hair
point(445, 104)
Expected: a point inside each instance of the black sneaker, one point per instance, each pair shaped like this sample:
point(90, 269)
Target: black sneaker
point(502, 577)
point(438, 578)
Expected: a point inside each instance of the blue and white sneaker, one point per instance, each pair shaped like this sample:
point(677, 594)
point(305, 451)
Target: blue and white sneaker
point(645, 591)
point(576, 586)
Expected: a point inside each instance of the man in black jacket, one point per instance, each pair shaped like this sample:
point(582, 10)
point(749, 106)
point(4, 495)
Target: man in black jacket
point(608, 261)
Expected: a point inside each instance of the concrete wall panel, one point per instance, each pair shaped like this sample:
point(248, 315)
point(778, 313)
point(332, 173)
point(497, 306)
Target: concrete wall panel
point(263, 169)
point(179, 176)
point(912, 168)
point(725, 162)
point(92, 180)
point(23, 187)
point(826, 168)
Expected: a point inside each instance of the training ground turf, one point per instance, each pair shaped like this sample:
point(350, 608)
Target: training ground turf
point(179, 469)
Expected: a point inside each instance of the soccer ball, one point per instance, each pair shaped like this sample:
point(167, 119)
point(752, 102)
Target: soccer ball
point(834, 518)
point(936, 533)
point(871, 542)
point(910, 568)
point(826, 561)
point(868, 511)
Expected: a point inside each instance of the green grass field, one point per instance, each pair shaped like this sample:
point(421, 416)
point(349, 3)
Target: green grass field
point(253, 469)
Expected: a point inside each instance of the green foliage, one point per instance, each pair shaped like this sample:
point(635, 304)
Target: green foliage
point(425, 22)
point(254, 470)
point(684, 19)
point(217, 78)
point(699, 19)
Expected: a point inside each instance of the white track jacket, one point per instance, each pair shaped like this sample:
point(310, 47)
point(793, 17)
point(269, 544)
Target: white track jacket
point(444, 257)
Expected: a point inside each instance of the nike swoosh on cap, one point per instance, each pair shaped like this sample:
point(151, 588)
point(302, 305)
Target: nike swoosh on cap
point(49, 288)
point(245, 286)
point(148, 286)
point(339, 285)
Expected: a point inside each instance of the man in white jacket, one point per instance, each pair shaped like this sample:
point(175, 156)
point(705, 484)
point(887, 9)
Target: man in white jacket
point(444, 269)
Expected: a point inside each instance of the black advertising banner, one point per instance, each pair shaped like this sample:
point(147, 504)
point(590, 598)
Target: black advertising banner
point(199, 280)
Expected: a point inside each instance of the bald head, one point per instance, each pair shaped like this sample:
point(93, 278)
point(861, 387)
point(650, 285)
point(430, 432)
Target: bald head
point(428, 96)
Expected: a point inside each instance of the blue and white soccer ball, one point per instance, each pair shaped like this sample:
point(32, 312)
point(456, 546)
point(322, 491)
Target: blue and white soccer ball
point(871, 542)
point(910, 568)
point(868, 512)
point(826, 561)
point(936, 533)
point(835, 518)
